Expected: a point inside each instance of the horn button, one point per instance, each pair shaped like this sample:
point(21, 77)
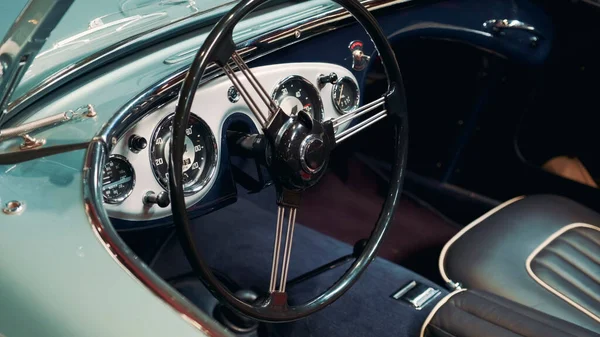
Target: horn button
point(312, 154)
point(299, 150)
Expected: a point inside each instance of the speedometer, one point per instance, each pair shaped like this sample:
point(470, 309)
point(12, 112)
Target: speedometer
point(199, 157)
point(296, 93)
point(118, 179)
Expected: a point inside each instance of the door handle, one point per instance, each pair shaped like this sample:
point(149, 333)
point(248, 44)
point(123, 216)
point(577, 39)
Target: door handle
point(496, 26)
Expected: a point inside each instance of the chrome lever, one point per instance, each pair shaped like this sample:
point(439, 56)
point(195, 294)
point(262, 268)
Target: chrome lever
point(498, 25)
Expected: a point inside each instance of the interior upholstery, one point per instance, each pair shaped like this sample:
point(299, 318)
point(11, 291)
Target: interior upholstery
point(535, 252)
point(568, 265)
point(476, 313)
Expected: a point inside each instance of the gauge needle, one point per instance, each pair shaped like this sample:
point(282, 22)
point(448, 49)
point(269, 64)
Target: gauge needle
point(111, 185)
point(341, 93)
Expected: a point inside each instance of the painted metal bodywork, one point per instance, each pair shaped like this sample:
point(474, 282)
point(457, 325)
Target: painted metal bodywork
point(57, 278)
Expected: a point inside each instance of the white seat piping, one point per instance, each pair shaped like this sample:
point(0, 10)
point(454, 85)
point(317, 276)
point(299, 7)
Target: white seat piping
point(547, 286)
point(462, 232)
point(436, 308)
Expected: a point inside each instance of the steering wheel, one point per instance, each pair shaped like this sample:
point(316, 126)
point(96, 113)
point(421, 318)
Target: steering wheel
point(296, 155)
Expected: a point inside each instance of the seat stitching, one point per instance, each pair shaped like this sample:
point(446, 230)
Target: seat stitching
point(566, 280)
point(468, 312)
point(562, 257)
point(446, 333)
point(545, 285)
point(491, 299)
point(586, 237)
point(520, 313)
point(566, 240)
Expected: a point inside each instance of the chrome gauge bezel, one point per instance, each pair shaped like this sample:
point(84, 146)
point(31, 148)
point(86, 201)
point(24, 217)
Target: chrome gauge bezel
point(115, 201)
point(321, 112)
point(356, 100)
point(210, 140)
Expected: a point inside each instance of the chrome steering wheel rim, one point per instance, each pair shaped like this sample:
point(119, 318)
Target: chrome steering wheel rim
point(219, 48)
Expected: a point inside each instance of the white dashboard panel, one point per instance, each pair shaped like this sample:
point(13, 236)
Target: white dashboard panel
point(211, 104)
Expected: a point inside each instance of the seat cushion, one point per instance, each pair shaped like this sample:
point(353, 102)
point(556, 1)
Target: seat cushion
point(541, 251)
point(476, 313)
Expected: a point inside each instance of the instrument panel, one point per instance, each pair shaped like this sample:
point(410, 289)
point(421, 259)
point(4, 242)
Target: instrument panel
point(135, 178)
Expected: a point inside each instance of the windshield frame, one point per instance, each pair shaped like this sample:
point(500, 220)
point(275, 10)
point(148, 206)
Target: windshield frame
point(111, 53)
point(149, 38)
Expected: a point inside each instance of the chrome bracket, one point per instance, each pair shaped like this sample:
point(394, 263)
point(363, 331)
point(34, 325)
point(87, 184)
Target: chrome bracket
point(416, 294)
point(498, 26)
point(30, 143)
point(454, 285)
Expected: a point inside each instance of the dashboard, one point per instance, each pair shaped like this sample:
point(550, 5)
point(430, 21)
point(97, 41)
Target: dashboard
point(137, 135)
point(135, 176)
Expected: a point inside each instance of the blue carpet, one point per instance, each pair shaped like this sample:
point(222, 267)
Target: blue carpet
point(238, 241)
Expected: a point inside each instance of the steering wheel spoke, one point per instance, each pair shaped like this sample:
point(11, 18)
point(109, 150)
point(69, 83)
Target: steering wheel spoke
point(279, 276)
point(236, 66)
point(377, 107)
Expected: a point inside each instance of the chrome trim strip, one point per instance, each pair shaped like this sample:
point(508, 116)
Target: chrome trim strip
point(462, 232)
point(262, 45)
point(546, 285)
point(247, 33)
point(123, 255)
point(436, 308)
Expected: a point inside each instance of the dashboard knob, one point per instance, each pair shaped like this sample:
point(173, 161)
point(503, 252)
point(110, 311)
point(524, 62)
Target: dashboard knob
point(331, 78)
point(161, 199)
point(137, 143)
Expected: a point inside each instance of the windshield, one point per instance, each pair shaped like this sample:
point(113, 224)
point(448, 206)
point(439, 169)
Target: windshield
point(92, 25)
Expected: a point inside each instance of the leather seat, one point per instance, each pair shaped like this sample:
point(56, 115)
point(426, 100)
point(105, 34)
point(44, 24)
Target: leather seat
point(540, 251)
point(465, 313)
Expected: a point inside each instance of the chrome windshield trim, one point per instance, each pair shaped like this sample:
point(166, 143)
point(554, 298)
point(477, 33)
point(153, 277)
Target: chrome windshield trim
point(318, 24)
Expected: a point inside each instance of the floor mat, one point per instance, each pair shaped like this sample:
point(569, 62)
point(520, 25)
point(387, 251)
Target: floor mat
point(238, 241)
point(346, 204)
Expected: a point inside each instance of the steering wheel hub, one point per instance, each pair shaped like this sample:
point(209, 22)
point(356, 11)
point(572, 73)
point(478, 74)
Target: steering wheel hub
point(300, 148)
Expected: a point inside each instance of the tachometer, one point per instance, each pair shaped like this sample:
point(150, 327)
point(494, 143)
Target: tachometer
point(199, 158)
point(296, 93)
point(118, 179)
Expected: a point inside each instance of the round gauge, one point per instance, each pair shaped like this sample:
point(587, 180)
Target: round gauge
point(118, 179)
point(345, 95)
point(199, 158)
point(296, 93)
